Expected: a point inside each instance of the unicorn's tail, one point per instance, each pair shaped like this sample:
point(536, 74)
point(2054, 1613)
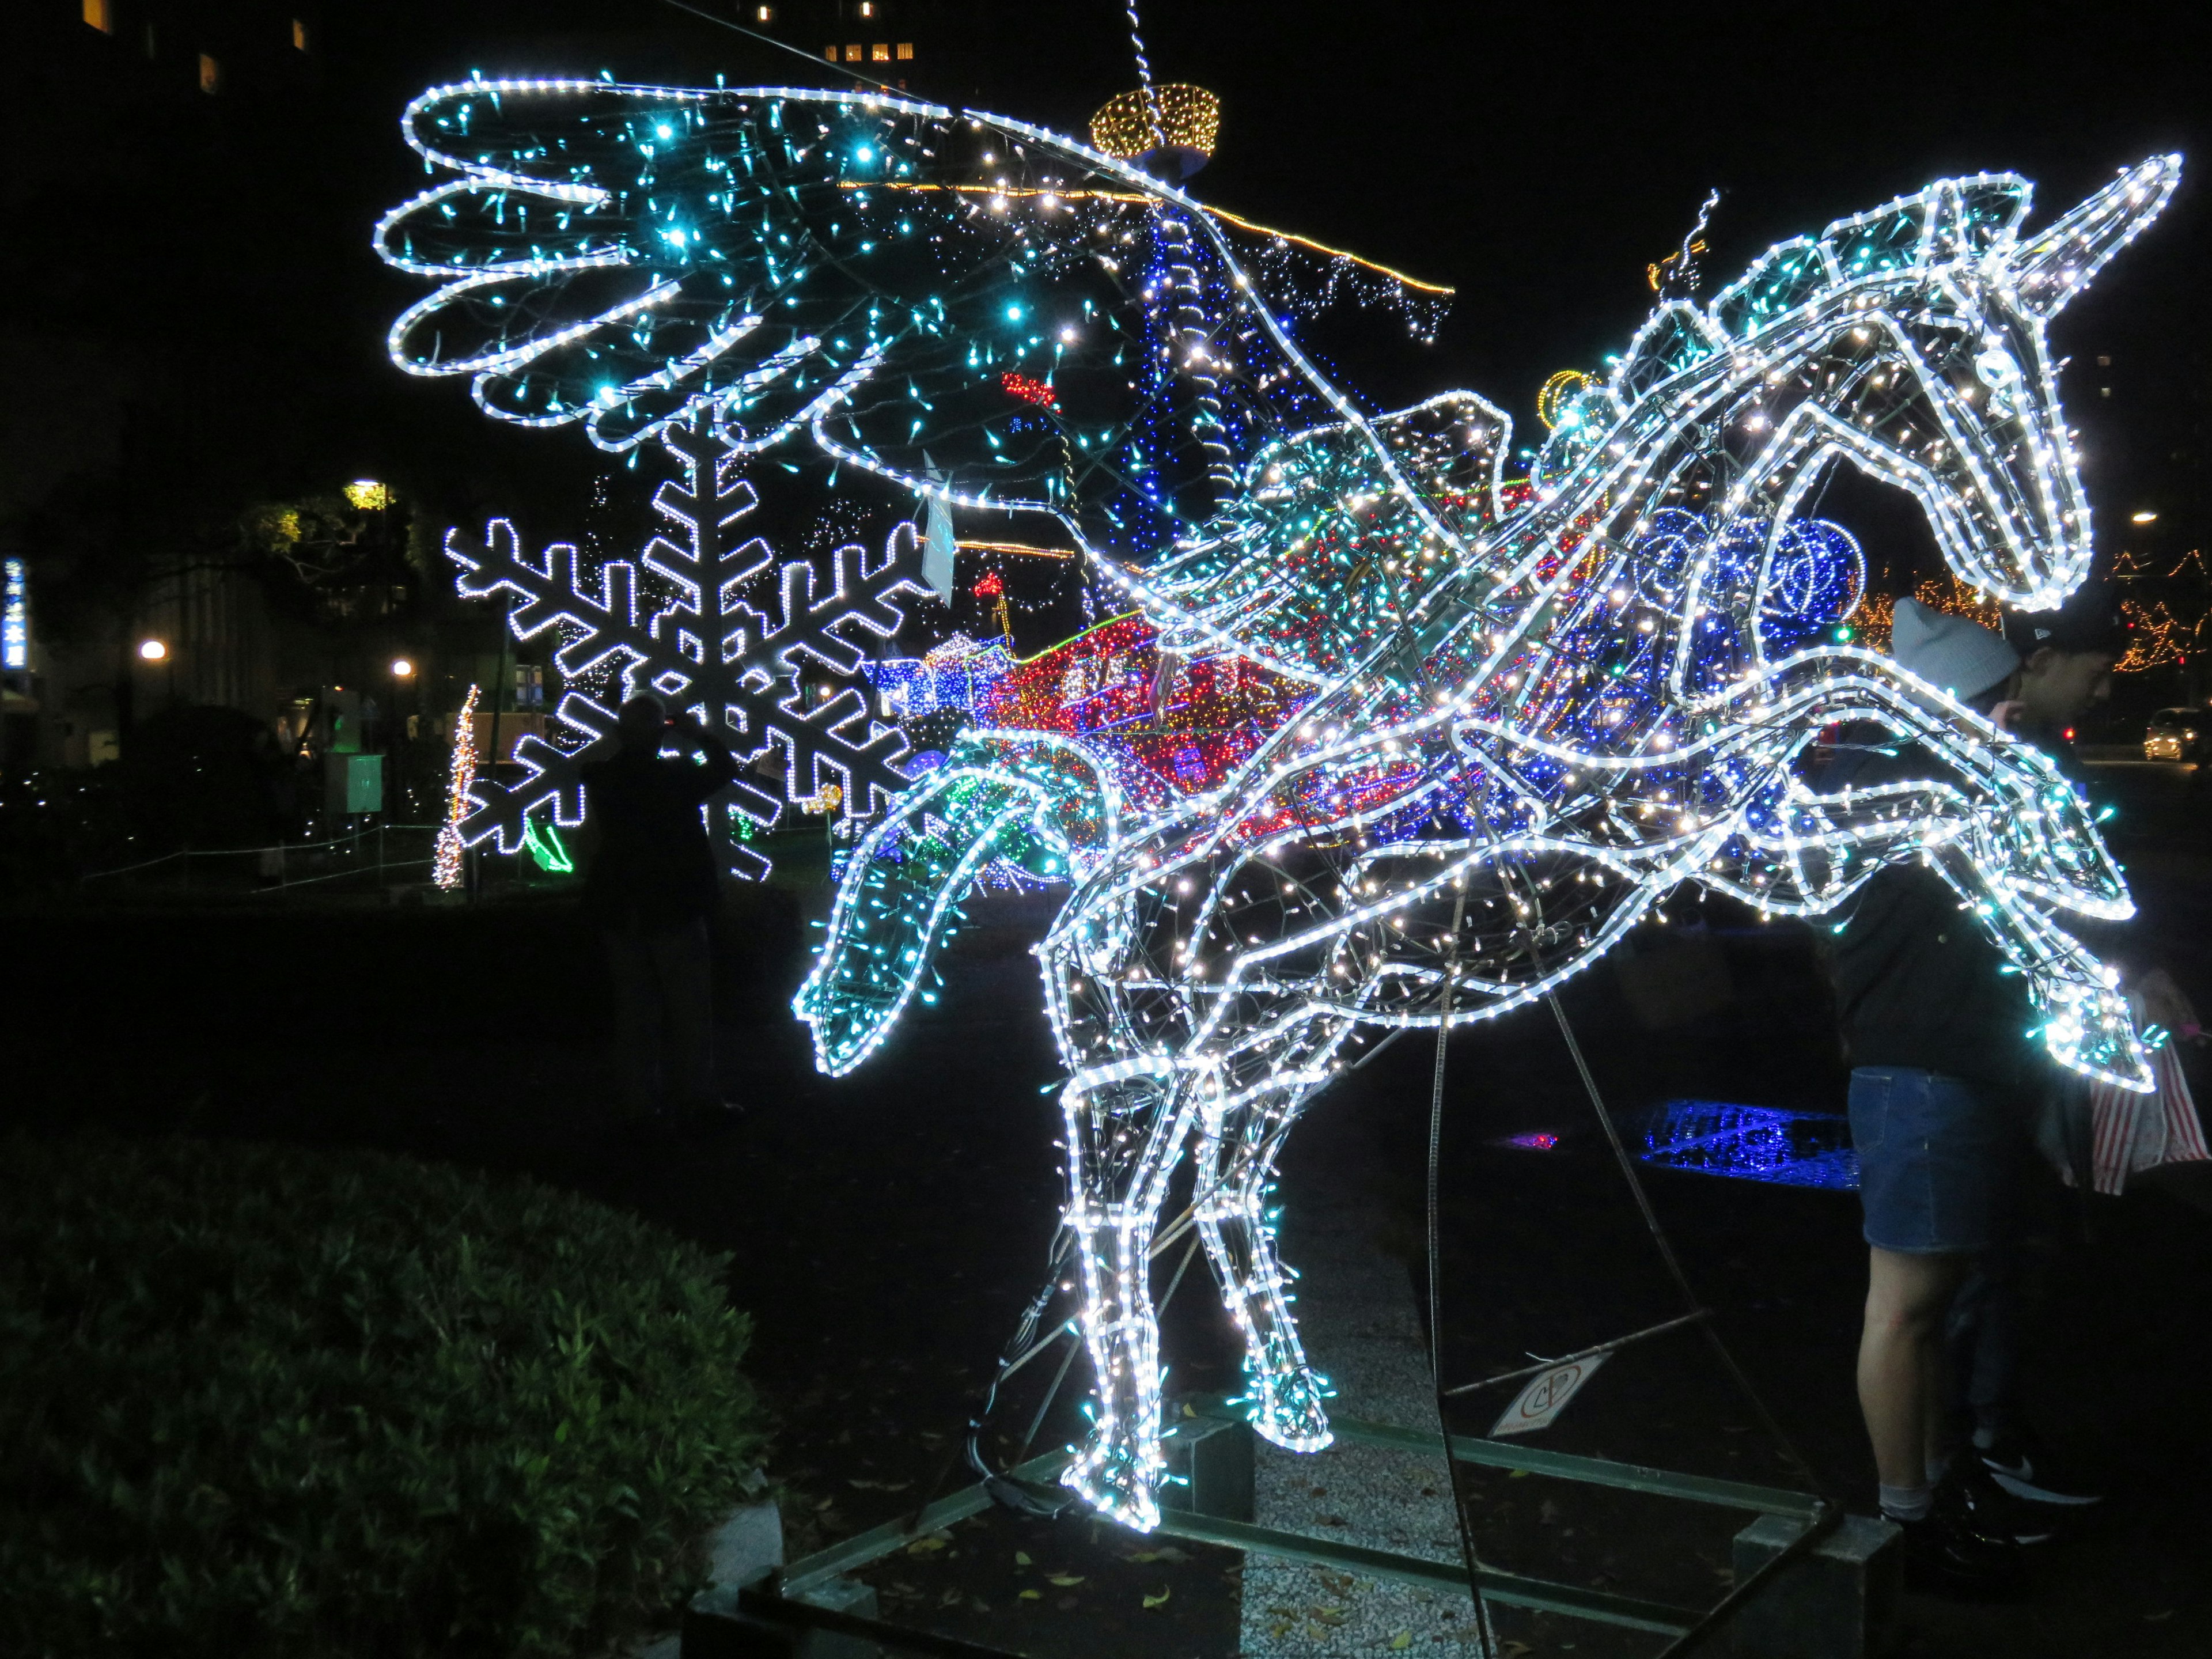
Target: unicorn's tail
point(1033, 800)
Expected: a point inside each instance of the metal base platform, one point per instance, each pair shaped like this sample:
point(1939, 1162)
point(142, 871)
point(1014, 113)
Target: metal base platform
point(1811, 1584)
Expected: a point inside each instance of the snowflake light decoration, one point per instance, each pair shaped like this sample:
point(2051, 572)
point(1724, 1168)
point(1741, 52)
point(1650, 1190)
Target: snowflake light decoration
point(715, 651)
point(1500, 717)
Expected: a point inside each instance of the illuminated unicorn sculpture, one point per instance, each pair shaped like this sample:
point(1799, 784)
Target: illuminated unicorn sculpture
point(1523, 712)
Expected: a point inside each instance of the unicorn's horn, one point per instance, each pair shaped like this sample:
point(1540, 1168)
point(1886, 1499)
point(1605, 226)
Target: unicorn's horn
point(2057, 263)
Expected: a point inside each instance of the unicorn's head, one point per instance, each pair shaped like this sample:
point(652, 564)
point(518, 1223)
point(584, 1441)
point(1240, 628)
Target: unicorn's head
point(1936, 307)
point(1911, 339)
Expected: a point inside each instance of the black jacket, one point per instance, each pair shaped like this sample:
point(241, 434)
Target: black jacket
point(1918, 982)
point(654, 863)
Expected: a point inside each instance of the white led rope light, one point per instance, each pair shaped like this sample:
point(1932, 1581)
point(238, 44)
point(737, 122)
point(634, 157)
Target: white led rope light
point(1520, 713)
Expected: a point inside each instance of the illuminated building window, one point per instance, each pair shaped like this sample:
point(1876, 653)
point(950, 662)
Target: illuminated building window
point(763, 14)
point(151, 41)
point(879, 53)
point(210, 74)
point(299, 34)
point(868, 8)
point(830, 52)
point(905, 51)
point(97, 15)
point(852, 54)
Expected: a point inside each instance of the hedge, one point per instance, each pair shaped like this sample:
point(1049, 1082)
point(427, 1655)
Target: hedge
point(255, 1400)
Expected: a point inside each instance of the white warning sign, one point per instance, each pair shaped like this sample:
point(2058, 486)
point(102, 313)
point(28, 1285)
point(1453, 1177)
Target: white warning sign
point(1546, 1395)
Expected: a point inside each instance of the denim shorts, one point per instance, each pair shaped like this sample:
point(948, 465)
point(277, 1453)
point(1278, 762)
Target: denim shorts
point(1933, 1157)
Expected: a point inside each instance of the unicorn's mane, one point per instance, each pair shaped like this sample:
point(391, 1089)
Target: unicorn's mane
point(1952, 222)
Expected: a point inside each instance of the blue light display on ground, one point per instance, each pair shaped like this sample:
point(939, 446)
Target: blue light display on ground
point(1721, 1137)
point(1749, 1143)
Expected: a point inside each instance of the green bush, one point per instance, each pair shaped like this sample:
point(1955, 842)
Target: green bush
point(260, 1400)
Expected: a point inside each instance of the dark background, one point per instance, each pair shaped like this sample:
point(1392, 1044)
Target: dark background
point(190, 274)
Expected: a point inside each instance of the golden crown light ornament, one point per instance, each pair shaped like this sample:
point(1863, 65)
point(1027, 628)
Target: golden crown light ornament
point(1167, 131)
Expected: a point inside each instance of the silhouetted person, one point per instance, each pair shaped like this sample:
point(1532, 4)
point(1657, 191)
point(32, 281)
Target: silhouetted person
point(650, 888)
point(1942, 1081)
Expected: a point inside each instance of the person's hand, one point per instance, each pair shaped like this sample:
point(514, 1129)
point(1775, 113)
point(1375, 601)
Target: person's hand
point(2006, 715)
point(687, 723)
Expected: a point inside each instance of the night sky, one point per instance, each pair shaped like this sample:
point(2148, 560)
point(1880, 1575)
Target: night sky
point(215, 267)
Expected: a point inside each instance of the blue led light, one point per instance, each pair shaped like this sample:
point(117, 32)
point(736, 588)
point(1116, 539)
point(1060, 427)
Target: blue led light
point(1750, 1143)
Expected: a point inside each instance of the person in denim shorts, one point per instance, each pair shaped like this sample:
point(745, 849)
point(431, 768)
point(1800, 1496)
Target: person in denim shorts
point(1935, 1021)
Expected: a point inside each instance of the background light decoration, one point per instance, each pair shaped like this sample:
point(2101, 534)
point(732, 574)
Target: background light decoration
point(2166, 610)
point(448, 857)
point(951, 677)
point(1500, 716)
point(543, 844)
point(14, 616)
point(1553, 396)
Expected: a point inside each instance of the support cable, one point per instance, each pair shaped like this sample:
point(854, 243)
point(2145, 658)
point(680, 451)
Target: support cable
point(1485, 1636)
point(1829, 1514)
point(1580, 1354)
point(1757, 1402)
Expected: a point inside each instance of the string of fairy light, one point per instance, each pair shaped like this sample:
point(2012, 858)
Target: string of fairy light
point(1393, 739)
point(449, 857)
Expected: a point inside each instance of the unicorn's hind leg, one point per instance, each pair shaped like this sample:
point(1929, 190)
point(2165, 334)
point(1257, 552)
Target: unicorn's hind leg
point(1242, 1135)
point(1127, 1124)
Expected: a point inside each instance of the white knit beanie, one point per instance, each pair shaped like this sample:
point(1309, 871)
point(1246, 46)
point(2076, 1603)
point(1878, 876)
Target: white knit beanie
point(1964, 657)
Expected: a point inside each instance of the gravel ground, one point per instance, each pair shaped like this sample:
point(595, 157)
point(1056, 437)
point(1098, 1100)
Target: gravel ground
point(1355, 1310)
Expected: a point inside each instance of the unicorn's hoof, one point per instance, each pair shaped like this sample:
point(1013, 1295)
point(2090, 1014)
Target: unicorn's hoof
point(1117, 1483)
point(1290, 1413)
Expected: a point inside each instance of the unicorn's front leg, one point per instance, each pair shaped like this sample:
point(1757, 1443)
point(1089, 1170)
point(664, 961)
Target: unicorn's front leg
point(1237, 1158)
point(1125, 1135)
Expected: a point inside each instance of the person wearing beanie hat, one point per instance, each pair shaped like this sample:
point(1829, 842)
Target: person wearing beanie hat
point(1942, 1076)
point(1960, 655)
point(2067, 658)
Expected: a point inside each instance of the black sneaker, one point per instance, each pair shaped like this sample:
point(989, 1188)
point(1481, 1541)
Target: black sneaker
point(2019, 1463)
point(1944, 1553)
point(1971, 1496)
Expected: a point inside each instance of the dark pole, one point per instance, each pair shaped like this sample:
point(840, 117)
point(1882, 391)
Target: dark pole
point(125, 688)
point(498, 692)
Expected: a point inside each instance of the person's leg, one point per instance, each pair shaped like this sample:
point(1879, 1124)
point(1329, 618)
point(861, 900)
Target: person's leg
point(1981, 1338)
point(637, 1020)
point(683, 970)
point(1900, 1370)
point(1922, 1185)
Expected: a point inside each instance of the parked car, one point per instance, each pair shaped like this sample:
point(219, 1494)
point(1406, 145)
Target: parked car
point(2175, 734)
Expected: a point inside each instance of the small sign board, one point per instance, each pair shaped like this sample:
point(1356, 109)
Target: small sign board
point(1546, 1396)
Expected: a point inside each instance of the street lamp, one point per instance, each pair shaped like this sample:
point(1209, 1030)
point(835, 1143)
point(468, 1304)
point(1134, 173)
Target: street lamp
point(402, 673)
point(157, 651)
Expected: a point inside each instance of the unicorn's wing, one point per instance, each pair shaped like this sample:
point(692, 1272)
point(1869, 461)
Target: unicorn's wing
point(968, 305)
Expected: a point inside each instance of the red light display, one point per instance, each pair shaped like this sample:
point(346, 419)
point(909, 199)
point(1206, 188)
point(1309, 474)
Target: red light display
point(1029, 391)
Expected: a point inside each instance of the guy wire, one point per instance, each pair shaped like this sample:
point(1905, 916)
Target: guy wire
point(1674, 1265)
point(1487, 1638)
